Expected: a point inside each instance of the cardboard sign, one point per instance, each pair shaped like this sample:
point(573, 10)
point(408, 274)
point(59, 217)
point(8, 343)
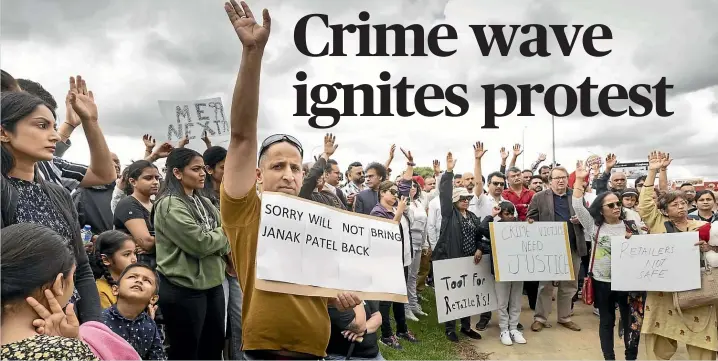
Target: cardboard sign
point(327, 250)
point(193, 118)
point(656, 262)
point(531, 252)
point(463, 288)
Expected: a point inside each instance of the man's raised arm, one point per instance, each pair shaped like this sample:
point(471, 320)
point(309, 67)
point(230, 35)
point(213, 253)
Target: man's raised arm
point(241, 162)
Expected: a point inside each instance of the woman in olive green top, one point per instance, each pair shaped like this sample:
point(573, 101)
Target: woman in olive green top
point(190, 246)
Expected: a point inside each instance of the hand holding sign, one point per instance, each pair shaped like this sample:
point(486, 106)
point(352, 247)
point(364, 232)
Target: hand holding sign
point(251, 34)
point(477, 256)
point(346, 301)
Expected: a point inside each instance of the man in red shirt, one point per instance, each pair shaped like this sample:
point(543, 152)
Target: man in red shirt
point(517, 193)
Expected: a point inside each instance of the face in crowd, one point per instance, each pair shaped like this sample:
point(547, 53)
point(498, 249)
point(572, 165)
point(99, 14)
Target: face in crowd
point(373, 178)
point(332, 175)
point(673, 205)
point(467, 181)
point(536, 184)
point(391, 195)
point(457, 181)
point(706, 201)
point(515, 178)
point(544, 172)
point(280, 169)
point(497, 184)
point(629, 201)
point(28, 129)
point(526, 176)
point(618, 181)
point(429, 184)
point(559, 180)
point(356, 174)
point(611, 208)
point(463, 203)
point(690, 191)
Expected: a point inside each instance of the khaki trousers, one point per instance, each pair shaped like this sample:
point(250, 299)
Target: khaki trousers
point(424, 268)
point(566, 291)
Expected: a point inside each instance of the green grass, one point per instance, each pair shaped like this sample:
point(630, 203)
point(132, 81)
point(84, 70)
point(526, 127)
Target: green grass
point(432, 345)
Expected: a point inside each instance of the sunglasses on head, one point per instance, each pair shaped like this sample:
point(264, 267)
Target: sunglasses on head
point(278, 138)
point(612, 205)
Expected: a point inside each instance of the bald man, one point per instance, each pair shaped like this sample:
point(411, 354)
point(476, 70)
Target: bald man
point(618, 182)
point(467, 181)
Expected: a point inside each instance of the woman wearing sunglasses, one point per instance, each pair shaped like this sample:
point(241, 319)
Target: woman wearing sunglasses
point(459, 236)
point(602, 220)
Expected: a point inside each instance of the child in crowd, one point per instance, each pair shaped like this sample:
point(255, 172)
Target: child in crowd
point(114, 252)
point(136, 289)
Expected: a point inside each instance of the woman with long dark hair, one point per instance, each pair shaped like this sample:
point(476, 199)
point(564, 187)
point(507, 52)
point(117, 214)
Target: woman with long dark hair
point(28, 136)
point(190, 247)
point(132, 214)
point(214, 162)
point(37, 261)
point(604, 219)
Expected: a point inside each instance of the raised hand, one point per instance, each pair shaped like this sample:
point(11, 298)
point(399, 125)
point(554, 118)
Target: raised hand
point(611, 161)
point(164, 150)
point(655, 160)
point(479, 150)
point(82, 100)
point(183, 142)
point(392, 149)
point(149, 141)
point(504, 154)
point(205, 139)
point(581, 171)
point(666, 160)
point(329, 146)
point(450, 162)
point(542, 157)
point(54, 322)
point(437, 166)
point(401, 206)
point(71, 116)
point(251, 34)
point(407, 154)
point(517, 150)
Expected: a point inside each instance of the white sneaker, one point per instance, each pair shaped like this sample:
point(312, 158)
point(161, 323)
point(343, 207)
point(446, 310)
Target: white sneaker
point(595, 312)
point(419, 312)
point(410, 316)
point(518, 337)
point(506, 338)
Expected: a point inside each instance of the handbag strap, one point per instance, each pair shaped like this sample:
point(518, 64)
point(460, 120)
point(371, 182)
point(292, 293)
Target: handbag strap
point(593, 251)
point(680, 314)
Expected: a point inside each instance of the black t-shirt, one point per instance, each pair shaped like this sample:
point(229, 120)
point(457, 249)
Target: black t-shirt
point(130, 208)
point(338, 345)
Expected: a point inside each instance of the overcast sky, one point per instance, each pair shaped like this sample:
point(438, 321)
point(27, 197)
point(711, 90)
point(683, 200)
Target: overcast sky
point(136, 52)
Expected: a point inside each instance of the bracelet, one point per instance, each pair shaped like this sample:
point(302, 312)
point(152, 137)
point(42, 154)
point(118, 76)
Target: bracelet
point(73, 126)
point(411, 164)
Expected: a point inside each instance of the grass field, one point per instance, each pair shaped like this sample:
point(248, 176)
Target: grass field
point(433, 344)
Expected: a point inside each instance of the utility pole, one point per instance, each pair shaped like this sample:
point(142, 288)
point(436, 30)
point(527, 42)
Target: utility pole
point(553, 139)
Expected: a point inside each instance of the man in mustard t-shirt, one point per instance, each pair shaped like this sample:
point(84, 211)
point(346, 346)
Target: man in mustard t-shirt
point(274, 325)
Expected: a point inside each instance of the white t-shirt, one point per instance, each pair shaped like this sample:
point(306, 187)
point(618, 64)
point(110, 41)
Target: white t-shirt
point(602, 261)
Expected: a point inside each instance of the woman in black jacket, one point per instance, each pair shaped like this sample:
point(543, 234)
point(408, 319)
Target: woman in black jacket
point(459, 236)
point(28, 136)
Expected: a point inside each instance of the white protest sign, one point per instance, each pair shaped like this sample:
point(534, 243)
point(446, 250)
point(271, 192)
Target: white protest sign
point(193, 118)
point(531, 252)
point(656, 262)
point(307, 243)
point(463, 288)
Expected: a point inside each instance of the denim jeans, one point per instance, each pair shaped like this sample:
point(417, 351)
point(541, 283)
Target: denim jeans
point(233, 301)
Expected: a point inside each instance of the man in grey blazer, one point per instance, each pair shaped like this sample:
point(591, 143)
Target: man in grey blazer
point(554, 205)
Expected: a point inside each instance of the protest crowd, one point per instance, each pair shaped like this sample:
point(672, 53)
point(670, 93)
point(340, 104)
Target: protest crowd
point(126, 262)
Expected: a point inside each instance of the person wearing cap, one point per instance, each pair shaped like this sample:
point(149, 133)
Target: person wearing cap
point(275, 325)
point(459, 236)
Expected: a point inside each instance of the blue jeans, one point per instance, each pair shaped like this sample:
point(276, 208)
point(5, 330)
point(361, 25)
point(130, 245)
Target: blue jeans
point(233, 301)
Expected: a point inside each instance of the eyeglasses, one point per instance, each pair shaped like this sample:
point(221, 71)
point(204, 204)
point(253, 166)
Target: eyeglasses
point(612, 205)
point(278, 138)
point(499, 184)
point(559, 178)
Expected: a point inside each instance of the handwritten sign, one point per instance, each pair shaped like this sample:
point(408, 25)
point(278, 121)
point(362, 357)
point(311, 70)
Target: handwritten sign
point(193, 118)
point(463, 288)
point(531, 252)
point(306, 243)
point(656, 262)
